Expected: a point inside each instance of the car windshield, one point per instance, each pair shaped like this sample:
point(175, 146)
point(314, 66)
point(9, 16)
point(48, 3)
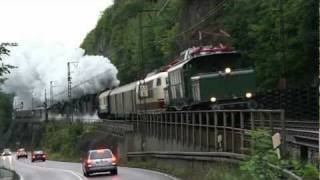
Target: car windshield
point(21, 150)
point(100, 154)
point(38, 152)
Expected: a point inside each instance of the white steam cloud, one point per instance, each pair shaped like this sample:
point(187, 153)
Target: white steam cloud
point(38, 64)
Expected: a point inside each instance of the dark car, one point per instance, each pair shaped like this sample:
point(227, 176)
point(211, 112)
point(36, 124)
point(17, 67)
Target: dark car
point(97, 161)
point(21, 153)
point(38, 156)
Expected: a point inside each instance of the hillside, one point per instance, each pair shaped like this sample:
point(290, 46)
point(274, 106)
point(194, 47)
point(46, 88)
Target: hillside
point(253, 26)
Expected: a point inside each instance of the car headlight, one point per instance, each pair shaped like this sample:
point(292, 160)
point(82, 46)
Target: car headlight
point(227, 70)
point(213, 99)
point(248, 95)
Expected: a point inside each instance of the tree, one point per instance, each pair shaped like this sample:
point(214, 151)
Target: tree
point(5, 68)
point(6, 100)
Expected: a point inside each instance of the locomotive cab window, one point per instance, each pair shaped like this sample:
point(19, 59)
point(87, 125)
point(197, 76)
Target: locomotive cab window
point(219, 63)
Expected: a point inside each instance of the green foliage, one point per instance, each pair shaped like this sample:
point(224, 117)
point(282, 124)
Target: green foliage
point(263, 155)
point(254, 27)
point(226, 173)
point(117, 36)
point(6, 101)
point(305, 170)
point(258, 164)
point(5, 68)
point(62, 140)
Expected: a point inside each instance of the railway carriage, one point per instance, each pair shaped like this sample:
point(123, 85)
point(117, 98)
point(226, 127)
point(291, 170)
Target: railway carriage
point(150, 92)
point(120, 102)
point(36, 114)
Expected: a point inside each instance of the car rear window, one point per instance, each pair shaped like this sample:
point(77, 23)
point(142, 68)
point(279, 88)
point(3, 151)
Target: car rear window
point(101, 154)
point(38, 152)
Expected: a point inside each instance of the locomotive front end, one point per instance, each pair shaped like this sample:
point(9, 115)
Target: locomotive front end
point(225, 89)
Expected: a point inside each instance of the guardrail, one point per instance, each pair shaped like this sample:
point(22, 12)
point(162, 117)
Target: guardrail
point(198, 156)
point(204, 156)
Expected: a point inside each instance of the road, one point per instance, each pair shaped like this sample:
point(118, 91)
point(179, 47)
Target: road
point(53, 170)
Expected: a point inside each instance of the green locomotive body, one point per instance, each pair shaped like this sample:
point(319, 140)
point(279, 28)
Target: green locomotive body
point(210, 79)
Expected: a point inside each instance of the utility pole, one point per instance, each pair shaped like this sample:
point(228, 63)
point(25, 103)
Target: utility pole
point(45, 105)
point(282, 81)
point(70, 109)
point(51, 93)
point(70, 90)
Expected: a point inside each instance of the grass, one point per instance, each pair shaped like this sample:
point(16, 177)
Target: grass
point(221, 171)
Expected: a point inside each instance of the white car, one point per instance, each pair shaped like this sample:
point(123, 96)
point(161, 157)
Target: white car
point(6, 152)
point(97, 161)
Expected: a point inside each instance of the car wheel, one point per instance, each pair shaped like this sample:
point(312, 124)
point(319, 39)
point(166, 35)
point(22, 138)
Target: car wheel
point(114, 172)
point(86, 174)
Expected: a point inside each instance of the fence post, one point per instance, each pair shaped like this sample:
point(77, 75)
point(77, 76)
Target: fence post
point(284, 134)
point(232, 132)
point(215, 131)
point(187, 128)
point(242, 133)
point(225, 132)
point(193, 133)
point(207, 131)
point(181, 128)
point(252, 129)
point(200, 130)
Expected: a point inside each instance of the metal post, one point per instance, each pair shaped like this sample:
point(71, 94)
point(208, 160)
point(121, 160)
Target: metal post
point(224, 131)
point(51, 93)
point(207, 131)
point(45, 105)
point(200, 130)
point(232, 132)
point(242, 133)
point(215, 131)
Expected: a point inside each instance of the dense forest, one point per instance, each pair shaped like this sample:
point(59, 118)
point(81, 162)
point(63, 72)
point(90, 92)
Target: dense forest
point(253, 27)
point(6, 100)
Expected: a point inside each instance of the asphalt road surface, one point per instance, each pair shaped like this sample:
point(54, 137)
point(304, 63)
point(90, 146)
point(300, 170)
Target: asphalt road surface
point(53, 170)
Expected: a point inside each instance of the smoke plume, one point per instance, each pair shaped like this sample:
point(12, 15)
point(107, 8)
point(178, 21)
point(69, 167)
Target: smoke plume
point(38, 64)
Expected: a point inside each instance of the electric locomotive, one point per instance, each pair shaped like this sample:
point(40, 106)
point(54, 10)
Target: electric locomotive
point(210, 78)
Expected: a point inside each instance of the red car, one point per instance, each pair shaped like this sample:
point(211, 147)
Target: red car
point(21, 153)
point(38, 156)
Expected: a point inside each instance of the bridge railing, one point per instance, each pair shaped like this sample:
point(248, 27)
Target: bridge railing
point(214, 130)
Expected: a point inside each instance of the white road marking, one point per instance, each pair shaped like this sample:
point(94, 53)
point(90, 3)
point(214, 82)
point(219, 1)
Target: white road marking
point(62, 170)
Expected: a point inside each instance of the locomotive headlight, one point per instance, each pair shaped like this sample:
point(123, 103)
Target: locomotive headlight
point(248, 95)
point(227, 70)
point(213, 99)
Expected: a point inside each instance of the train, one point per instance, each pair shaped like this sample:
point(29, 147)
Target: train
point(199, 78)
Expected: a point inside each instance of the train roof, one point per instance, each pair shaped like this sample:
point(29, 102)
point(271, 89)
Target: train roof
point(182, 63)
point(34, 109)
point(155, 76)
point(124, 88)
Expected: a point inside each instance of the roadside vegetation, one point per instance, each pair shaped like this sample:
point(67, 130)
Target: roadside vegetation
point(263, 164)
point(64, 141)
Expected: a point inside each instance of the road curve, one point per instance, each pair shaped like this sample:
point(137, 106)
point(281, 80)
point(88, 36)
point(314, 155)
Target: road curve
point(54, 170)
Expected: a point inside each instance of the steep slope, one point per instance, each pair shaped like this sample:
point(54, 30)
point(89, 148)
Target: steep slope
point(253, 26)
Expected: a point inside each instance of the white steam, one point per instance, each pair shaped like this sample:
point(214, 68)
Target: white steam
point(38, 64)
